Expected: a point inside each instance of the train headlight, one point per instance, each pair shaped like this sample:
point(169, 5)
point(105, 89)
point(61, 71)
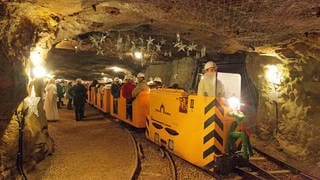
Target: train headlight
point(170, 144)
point(234, 103)
point(156, 138)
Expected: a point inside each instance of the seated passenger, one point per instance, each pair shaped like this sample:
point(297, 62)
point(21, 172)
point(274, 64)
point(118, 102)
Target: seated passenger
point(157, 82)
point(209, 85)
point(126, 90)
point(141, 86)
point(115, 91)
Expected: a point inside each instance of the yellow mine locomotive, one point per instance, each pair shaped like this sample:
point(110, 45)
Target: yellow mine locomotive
point(200, 129)
point(194, 128)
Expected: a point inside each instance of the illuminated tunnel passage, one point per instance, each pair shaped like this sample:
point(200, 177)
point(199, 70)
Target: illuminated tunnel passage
point(94, 148)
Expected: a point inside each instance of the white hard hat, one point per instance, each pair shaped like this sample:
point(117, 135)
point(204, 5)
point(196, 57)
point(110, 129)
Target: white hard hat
point(109, 80)
point(127, 77)
point(157, 79)
point(140, 75)
point(209, 64)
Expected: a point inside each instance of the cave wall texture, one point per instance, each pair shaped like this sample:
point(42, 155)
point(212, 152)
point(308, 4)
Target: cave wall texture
point(289, 37)
point(18, 34)
point(178, 71)
point(296, 126)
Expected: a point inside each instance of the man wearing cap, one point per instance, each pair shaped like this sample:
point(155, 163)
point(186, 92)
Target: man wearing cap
point(126, 90)
point(141, 86)
point(115, 91)
point(209, 85)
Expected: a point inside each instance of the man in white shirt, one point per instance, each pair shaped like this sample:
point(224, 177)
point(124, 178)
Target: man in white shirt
point(209, 85)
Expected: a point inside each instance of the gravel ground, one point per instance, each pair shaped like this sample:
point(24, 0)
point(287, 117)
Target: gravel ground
point(94, 148)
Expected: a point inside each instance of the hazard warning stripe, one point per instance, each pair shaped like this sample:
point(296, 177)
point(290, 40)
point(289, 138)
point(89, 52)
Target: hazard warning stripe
point(212, 104)
point(210, 150)
point(209, 106)
point(213, 118)
point(212, 134)
point(210, 165)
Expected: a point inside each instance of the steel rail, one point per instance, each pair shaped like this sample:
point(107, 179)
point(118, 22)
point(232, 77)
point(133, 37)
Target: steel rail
point(136, 169)
point(283, 164)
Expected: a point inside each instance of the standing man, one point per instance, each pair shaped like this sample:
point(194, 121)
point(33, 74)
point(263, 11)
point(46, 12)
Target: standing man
point(209, 85)
point(69, 95)
point(60, 94)
point(141, 86)
point(115, 91)
point(79, 99)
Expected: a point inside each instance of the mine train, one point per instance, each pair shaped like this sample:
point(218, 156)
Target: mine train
point(195, 128)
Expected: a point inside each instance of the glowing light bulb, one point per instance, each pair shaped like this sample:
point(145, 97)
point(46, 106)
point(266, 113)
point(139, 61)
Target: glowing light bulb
point(273, 74)
point(234, 103)
point(138, 54)
point(39, 72)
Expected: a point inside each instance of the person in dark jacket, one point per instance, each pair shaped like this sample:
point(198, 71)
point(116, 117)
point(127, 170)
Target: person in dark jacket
point(115, 91)
point(60, 94)
point(79, 99)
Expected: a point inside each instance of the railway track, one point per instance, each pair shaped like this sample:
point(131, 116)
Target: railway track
point(153, 162)
point(263, 166)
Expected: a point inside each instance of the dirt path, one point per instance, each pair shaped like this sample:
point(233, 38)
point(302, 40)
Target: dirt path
point(94, 148)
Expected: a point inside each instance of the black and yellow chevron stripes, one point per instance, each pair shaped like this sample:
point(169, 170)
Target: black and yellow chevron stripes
point(212, 104)
point(213, 128)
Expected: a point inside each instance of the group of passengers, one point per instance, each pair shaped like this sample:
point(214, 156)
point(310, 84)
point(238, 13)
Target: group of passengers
point(54, 93)
point(129, 89)
point(77, 92)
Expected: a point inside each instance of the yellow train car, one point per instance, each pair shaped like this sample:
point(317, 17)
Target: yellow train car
point(193, 127)
point(99, 98)
point(88, 96)
point(121, 108)
point(105, 103)
point(140, 109)
point(92, 96)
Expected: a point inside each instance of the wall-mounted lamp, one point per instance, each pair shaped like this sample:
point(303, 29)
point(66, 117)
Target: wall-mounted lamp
point(35, 57)
point(39, 72)
point(273, 74)
point(137, 54)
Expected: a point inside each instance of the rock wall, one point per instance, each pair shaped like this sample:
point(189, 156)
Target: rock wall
point(21, 29)
point(178, 71)
point(288, 112)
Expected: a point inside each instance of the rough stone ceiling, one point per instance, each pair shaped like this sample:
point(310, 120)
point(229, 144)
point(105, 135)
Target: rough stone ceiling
point(222, 26)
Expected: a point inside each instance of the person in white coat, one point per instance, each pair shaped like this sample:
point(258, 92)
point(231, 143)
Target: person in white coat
point(209, 85)
point(50, 101)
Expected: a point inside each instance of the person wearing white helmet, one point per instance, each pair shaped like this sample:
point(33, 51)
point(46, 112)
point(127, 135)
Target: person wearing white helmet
point(157, 82)
point(126, 92)
point(115, 92)
point(209, 85)
point(141, 86)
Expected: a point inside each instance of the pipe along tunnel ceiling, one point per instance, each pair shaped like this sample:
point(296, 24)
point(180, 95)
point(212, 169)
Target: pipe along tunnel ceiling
point(88, 38)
